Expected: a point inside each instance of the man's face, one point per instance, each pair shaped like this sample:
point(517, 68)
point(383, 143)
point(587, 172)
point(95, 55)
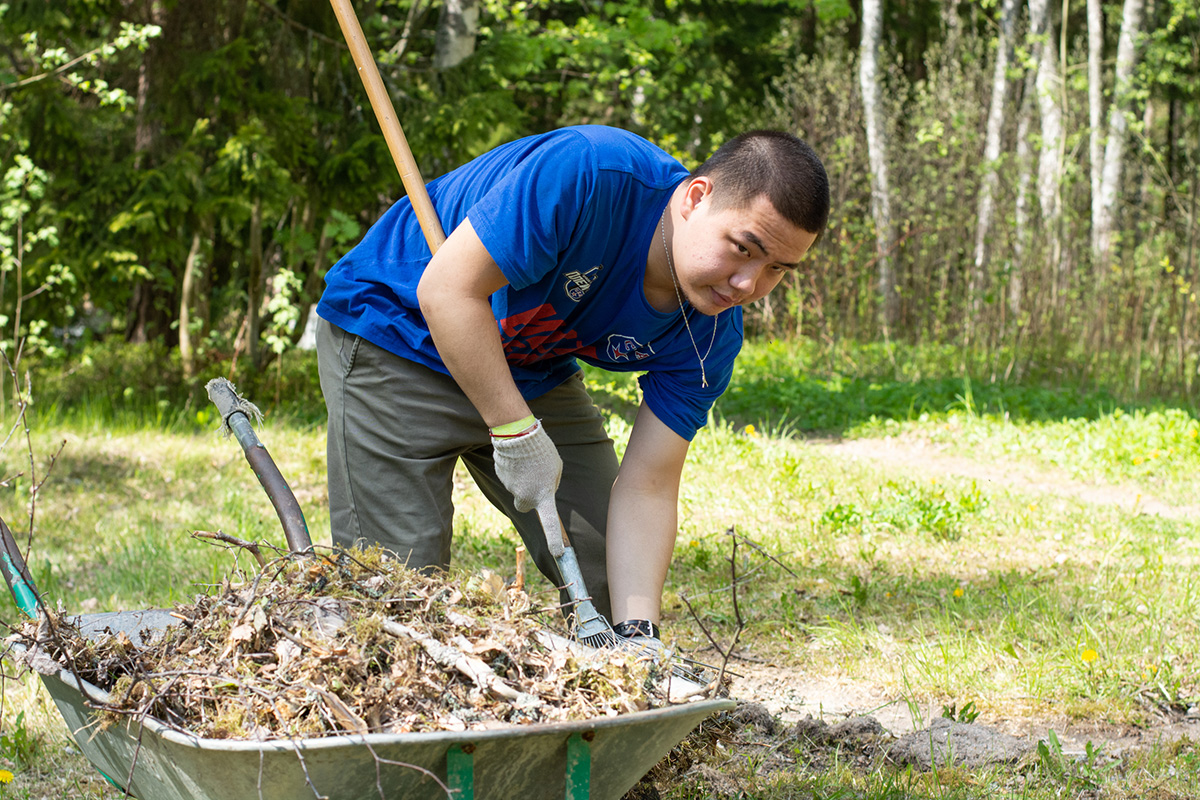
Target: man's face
point(730, 256)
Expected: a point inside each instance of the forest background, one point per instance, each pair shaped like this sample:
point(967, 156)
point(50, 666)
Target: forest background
point(1016, 180)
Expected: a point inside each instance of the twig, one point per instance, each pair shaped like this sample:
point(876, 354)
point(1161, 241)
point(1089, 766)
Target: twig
point(234, 541)
point(378, 777)
point(762, 551)
point(304, 766)
point(302, 27)
point(726, 654)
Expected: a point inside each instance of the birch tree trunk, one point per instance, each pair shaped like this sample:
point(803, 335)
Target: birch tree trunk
point(991, 151)
point(1095, 22)
point(1021, 214)
point(187, 291)
point(458, 25)
point(1050, 158)
point(1118, 129)
point(881, 207)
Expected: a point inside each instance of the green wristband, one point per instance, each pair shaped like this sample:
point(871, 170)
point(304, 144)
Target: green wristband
point(512, 428)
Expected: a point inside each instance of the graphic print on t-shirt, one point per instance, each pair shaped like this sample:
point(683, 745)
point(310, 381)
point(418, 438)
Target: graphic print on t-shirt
point(626, 348)
point(579, 282)
point(537, 335)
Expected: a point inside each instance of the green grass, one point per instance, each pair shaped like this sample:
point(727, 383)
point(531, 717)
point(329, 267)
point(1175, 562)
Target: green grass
point(1020, 597)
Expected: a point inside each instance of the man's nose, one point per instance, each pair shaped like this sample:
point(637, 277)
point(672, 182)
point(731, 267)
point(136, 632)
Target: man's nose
point(745, 279)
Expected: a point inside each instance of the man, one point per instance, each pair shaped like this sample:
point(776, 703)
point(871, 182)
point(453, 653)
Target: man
point(584, 243)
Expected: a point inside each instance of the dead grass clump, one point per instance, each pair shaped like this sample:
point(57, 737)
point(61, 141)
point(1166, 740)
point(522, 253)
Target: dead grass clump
point(349, 643)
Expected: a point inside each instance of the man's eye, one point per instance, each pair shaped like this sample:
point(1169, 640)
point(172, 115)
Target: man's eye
point(743, 250)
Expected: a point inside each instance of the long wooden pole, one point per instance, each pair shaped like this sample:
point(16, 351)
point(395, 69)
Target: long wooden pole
point(392, 132)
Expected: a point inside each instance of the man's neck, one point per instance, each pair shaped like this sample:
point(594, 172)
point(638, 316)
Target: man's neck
point(658, 284)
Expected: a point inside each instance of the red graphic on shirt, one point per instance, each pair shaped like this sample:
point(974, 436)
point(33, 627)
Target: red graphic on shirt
point(538, 334)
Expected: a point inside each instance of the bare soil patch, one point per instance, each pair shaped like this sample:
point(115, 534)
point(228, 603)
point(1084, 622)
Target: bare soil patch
point(921, 455)
point(791, 695)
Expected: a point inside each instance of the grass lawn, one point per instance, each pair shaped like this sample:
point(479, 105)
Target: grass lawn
point(1024, 553)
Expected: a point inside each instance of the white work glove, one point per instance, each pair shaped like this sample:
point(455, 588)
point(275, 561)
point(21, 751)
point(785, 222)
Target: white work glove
point(529, 466)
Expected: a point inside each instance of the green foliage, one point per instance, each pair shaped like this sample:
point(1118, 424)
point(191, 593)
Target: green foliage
point(1086, 774)
point(909, 506)
point(906, 506)
point(17, 744)
point(858, 390)
point(254, 133)
point(967, 714)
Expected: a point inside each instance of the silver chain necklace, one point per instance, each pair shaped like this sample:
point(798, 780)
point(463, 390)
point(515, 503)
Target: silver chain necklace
point(662, 227)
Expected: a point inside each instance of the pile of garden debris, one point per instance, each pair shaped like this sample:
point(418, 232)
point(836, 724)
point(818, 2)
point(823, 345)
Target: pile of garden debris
point(348, 643)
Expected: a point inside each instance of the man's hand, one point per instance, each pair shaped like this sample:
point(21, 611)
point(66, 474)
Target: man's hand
point(529, 466)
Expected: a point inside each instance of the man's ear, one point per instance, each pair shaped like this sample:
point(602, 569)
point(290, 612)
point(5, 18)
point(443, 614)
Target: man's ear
point(698, 190)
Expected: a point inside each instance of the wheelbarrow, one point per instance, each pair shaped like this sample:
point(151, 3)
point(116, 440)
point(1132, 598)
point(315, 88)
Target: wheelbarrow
point(146, 758)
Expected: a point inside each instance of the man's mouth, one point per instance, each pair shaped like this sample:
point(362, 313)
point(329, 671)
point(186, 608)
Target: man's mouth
point(723, 300)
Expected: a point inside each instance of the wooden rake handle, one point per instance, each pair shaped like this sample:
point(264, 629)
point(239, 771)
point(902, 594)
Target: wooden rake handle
point(392, 132)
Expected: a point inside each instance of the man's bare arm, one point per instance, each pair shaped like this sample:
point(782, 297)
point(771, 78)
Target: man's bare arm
point(643, 518)
point(454, 295)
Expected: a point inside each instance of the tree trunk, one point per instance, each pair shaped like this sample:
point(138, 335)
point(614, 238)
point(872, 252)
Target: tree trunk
point(952, 31)
point(458, 25)
point(881, 209)
point(1118, 128)
point(254, 284)
point(1095, 22)
point(1021, 235)
point(1050, 158)
point(991, 152)
point(313, 284)
point(187, 289)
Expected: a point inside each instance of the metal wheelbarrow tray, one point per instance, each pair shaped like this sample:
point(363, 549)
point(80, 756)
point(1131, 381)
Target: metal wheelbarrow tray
point(595, 758)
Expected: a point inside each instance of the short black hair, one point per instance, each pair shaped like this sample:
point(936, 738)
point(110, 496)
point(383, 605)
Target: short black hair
point(775, 164)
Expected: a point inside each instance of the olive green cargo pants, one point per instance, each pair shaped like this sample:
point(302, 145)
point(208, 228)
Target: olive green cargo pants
point(396, 431)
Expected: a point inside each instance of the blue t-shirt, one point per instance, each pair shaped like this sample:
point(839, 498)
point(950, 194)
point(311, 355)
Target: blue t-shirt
point(569, 217)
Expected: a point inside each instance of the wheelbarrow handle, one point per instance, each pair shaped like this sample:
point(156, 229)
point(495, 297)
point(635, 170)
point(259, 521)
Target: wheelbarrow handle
point(16, 573)
point(235, 419)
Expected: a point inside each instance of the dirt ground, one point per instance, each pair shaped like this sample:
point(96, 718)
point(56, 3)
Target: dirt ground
point(791, 695)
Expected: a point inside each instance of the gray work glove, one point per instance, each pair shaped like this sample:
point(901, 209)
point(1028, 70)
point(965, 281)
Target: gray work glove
point(529, 466)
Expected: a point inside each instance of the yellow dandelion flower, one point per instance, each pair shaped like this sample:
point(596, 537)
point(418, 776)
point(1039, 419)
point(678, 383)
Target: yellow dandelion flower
point(1089, 655)
point(749, 431)
point(5, 776)
point(958, 591)
point(1137, 460)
